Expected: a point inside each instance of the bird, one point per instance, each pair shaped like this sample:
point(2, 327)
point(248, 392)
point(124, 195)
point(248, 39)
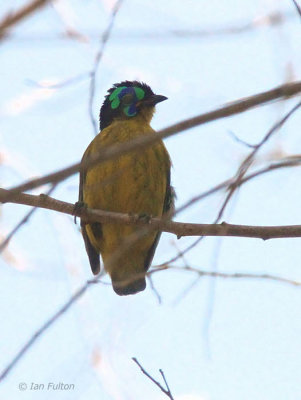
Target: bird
point(135, 183)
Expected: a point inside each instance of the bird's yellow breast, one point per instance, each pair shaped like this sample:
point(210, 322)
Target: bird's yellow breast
point(133, 183)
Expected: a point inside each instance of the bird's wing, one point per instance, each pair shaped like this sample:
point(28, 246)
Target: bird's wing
point(92, 253)
point(167, 208)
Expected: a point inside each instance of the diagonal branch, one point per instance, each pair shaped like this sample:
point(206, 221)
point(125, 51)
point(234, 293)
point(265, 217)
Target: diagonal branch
point(297, 7)
point(239, 106)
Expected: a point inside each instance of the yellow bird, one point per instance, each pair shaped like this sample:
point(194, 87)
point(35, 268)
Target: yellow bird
point(137, 182)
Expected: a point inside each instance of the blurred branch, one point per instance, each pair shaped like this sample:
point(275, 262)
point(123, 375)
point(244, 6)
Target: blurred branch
point(67, 16)
point(274, 19)
point(13, 18)
point(178, 228)
point(84, 287)
point(60, 84)
point(42, 329)
point(297, 7)
point(104, 39)
point(113, 152)
point(165, 391)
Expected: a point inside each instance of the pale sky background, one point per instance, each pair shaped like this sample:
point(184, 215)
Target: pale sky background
point(251, 349)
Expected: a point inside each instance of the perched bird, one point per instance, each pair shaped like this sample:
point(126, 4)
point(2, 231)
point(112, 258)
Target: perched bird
point(137, 182)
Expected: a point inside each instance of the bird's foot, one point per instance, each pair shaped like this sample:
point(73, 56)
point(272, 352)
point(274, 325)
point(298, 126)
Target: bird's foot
point(140, 217)
point(78, 206)
point(144, 217)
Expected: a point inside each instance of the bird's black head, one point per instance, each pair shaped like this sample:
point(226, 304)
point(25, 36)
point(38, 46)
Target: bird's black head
point(126, 100)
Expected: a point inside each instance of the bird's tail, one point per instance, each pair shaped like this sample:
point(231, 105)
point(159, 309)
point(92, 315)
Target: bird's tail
point(127, 272)
point(123, 289)
point(127, 280)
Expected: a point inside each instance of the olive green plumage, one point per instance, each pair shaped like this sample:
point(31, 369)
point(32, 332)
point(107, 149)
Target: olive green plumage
point(137, 182)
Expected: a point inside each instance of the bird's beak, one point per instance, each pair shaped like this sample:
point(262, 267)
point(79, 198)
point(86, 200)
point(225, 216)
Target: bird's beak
point(153, 100)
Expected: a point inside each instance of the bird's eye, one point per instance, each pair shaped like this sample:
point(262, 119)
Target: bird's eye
point(127, 99)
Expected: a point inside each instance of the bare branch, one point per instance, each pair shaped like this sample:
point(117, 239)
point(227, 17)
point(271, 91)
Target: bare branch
point(165, 391)
point(178, 228)
point(239, 106)
point(13, 18)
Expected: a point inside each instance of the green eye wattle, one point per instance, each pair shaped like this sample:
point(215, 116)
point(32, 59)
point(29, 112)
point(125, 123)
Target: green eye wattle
point(115, 103)
point(128, 96)
point(116, 92)
point(139, 93)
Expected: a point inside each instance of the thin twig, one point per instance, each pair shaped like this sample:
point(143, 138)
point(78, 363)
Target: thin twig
point(165, 391)
point(240, 141)
point(166, 383)
point(206, 273)
point(226, 275)
point(143, 141)
point(104, 39)
point(153, 288)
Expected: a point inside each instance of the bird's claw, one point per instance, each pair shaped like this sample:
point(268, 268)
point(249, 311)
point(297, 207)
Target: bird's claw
point(144, 217)
point(78, 206)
